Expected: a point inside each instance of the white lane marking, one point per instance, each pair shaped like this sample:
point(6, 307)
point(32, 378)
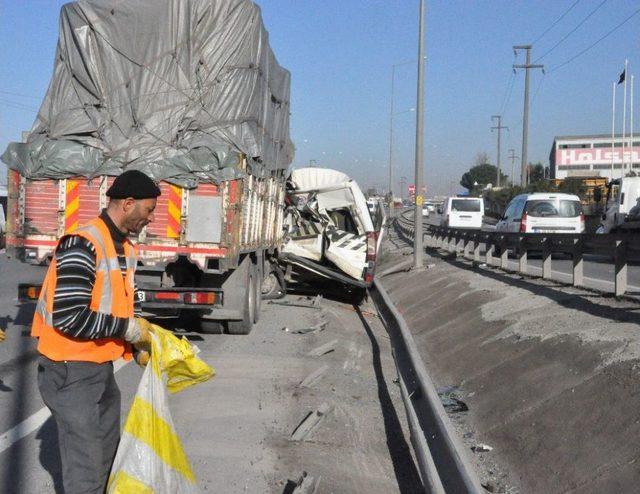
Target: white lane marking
point(35, 421)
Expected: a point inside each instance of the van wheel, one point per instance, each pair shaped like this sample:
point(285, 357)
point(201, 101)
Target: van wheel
point(245, 325)
point(273, 284)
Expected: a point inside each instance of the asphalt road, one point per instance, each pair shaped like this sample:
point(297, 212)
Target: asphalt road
point(237, 428)
point(599, 271)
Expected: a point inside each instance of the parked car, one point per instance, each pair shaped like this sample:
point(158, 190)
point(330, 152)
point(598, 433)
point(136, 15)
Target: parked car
point(543, 213)
point(462, 212)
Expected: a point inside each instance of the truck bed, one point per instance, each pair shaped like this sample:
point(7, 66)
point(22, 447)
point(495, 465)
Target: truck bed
point(224, 221)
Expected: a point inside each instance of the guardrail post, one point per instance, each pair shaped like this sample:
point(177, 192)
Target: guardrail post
point(504, 253)
point(476, 249)
point(578, 264)
point(546, 258)
point(621, 267)
point(522, 255)
point(489, 252)
point(468, 246)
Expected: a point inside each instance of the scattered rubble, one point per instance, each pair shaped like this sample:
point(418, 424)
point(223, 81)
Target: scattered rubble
point(310, 422)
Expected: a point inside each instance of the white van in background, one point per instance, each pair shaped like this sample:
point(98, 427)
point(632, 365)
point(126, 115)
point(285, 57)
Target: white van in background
point(462, 212)
point(543, 213)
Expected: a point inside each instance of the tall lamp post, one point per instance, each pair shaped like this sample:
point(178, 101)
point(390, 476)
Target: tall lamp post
point(391, 115)
point(419, 165)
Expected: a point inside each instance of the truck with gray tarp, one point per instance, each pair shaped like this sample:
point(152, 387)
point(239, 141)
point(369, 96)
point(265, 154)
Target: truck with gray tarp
point(189, 92)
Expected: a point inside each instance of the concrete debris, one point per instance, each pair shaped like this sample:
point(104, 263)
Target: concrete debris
point(313, 329)
point(314, 377)
point(451, 401)
point(316, 303)
point(481, 448)
point(490, 486)
point(324, 349)
point(310, 422)
point(306, 484)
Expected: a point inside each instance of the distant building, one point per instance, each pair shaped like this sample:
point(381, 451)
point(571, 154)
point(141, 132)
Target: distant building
point(591, 156)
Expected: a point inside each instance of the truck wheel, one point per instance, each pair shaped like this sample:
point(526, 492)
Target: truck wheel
point(207, 326)
point(245, 325)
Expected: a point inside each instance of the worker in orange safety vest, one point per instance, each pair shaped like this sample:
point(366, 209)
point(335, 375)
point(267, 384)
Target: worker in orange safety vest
point(84, 321)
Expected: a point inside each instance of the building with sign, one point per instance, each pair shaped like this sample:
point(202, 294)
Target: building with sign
point(594, 156)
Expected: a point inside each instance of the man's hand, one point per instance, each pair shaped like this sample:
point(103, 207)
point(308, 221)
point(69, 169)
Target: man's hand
point(138, 333)
point(141, 357)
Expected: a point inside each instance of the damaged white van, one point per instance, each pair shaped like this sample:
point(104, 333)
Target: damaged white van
point(332, 234)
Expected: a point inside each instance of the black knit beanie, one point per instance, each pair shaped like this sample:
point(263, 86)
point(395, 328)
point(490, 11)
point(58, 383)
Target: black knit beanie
point(134, 184)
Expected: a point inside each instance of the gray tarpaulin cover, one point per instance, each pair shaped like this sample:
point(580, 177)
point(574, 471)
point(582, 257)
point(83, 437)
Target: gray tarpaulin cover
point(177, 88)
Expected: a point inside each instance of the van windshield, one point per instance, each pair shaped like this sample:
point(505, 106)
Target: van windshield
point(550, 209)
point(465, 205)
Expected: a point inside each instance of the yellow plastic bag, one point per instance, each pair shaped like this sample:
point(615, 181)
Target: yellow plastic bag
point(150, 457)
point(177, 357)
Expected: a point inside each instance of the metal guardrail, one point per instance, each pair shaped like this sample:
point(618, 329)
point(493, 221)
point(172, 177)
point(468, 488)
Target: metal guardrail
point(621, 247)
point(442, 458)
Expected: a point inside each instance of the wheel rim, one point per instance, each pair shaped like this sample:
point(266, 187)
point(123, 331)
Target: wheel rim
point(269, 284)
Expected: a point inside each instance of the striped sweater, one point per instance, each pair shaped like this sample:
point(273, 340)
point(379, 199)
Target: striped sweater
point(76, 273)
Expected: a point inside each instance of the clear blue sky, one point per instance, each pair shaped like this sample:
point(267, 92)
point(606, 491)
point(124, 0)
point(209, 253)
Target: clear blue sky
point(340, 54)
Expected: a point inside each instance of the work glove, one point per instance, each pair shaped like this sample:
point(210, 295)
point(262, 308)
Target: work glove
point(141, 357)
point(2, 335)
point(138, 333)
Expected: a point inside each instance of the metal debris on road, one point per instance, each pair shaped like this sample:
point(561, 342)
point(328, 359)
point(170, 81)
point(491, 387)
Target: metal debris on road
point(310, 422)
point(481, 448)
point(324, 349)
point(312, 329)
point(315, 303)
point(314, 377)
point(306, 484)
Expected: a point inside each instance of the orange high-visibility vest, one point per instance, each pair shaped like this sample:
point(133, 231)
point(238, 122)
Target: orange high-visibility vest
point(112, 294)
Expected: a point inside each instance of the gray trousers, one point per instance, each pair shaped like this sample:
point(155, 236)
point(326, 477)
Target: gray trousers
point(84, 400)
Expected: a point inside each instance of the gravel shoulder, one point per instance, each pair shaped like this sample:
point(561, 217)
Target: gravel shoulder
point(549, 372)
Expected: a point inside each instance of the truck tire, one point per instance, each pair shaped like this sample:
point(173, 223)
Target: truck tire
point(207, 326)
point(245, 325)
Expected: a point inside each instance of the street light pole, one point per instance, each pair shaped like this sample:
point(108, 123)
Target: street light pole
point(393, 76)
point(419, 165)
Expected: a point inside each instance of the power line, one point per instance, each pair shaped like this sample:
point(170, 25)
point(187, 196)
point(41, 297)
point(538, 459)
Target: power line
point(535, 93)
point(18, 95)
point(553, 69)
point(558, 20)
point(507, 92)
point(19, 106)
point(571, 32)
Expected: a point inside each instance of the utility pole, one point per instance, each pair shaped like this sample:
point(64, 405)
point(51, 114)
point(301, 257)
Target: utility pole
point(525, 118)
point(499, 127)
point(419, 168)
point(513, 157)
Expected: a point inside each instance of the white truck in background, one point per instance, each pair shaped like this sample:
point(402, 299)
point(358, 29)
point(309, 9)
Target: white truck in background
point(622, 210)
